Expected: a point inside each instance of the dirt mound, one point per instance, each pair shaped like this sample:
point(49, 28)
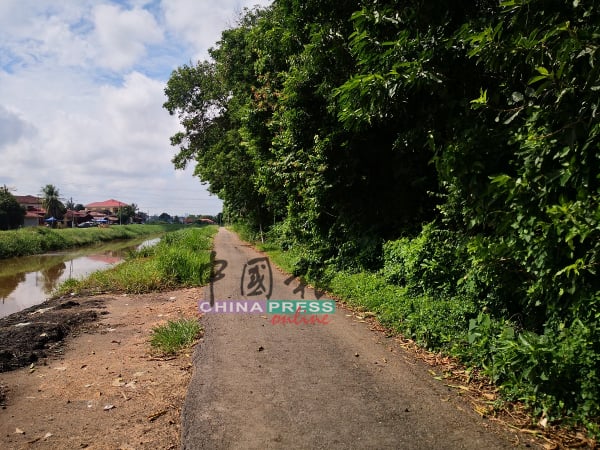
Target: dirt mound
point(34, 333)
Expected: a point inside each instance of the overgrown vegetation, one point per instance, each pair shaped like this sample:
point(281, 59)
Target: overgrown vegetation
point(435, 161)
point(34, 240)
point(175, 335)
point(181, 258)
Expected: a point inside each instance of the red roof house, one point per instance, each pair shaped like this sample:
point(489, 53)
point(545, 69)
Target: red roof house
point(34, 217)
point(110, 205)
point(29, 202)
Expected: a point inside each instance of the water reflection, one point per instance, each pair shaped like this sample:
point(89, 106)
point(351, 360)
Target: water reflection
point(29, 280)
point(9, 283)
point(50, 275)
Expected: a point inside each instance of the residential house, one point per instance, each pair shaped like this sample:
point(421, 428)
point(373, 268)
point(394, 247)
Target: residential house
point(107, 210)
point(34, 210)
point(73, 218)
point(110, 206)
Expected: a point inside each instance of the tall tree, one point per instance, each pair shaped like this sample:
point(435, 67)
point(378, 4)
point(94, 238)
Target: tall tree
point(11, 213)
point(51, 202)
point(209, 98)
point(127, 213)
point(70, 204)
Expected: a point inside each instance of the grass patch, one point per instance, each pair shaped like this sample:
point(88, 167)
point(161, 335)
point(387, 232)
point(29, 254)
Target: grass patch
point(284, 259)
point(175, 335)
point(180, 259)
point(35, 240)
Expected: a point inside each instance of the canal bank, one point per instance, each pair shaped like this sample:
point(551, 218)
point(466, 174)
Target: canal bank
point(79, 365)
point(33, 241)
point(180, 260)
point(28, 280)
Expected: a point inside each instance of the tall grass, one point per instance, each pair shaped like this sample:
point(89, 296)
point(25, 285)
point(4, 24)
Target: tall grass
point(181, 258)
point(31, 241)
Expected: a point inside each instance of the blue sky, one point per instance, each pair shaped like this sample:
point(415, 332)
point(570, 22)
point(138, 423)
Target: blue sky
point(81, 93)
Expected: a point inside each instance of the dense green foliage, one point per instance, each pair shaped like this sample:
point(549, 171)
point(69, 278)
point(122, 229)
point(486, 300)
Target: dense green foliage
point(452, 148)
point(182, 258)
point(126, 214)
point(11, 213)
point(35, 240)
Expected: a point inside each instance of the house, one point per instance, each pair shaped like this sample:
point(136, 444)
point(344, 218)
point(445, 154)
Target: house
point(73, 218)
point(110, 206)
point(29, 202)
point(34, 210)
point(34, 218)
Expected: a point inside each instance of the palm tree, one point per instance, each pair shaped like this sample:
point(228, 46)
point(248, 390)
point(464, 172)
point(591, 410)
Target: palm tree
point(70, 204)
point(51, 201)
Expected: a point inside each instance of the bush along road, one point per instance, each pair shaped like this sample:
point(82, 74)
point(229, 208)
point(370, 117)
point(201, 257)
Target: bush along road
point(263, 379)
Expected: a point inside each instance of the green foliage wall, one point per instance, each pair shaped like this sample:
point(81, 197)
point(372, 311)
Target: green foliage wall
point(343, 125)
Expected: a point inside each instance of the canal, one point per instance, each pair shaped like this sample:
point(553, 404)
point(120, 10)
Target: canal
point(29, 280)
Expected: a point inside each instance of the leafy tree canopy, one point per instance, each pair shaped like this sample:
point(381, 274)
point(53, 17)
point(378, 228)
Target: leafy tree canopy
point(11, 213)
point(52, 203)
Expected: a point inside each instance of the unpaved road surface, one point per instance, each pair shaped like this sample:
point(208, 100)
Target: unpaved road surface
point(258, 385)
point(94, 382)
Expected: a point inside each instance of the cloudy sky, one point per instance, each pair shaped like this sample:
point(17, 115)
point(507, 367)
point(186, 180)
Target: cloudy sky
point(81, 93)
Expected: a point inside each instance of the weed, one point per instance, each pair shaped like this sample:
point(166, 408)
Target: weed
point(446, 293)
point(175, 335)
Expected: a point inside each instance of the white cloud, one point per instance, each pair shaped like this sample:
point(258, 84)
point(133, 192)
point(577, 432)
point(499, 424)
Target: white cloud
point(33, 32)
point(122, 35)
point(13, 127)
point(58, 41)
point(81, 93)
point(200, 22)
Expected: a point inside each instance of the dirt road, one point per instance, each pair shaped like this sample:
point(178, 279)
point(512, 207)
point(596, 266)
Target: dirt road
point(99, 386)
point(260, 385)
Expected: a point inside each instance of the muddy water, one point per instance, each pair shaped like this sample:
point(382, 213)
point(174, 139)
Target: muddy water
point(29, 280)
